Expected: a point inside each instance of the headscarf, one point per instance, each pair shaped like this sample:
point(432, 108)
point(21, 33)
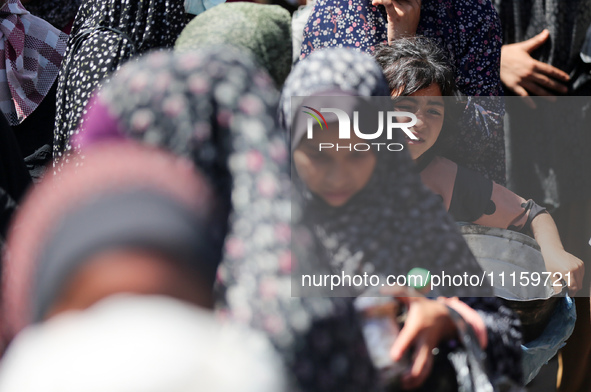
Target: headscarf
point(57, 12)
point(31, 52)
point(218, 107)
point(418, 232)
point(124, 196)
point(131, 343)
point(107, 33)
point(264, 30)
point(470, 33)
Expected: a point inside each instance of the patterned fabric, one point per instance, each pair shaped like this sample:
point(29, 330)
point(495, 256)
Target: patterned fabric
point(108, 170)
point(470, 33)
point(31, 51)
point(264, 30)
point(394, 222)
point(107, 33)
point(218, 107)
point(57, 12)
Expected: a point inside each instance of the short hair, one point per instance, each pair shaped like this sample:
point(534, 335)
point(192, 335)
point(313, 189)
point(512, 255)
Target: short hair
point(412, 64)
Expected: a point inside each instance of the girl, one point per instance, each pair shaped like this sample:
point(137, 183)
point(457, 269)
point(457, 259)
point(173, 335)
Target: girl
point(373, 214)
point(419, 76)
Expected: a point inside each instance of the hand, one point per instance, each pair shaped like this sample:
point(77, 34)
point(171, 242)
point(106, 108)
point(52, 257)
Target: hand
point(524, 75)
point(428, 322)
point(563, 262)
point(403, 17)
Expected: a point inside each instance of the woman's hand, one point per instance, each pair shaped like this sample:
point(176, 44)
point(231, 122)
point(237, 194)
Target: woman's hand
point(403, 17)
point(524, 75)
point(428, 322)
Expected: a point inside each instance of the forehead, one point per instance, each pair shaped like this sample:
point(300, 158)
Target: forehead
point(432, 91)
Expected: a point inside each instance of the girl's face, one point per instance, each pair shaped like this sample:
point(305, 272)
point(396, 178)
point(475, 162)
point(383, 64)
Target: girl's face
point(427, 105)
point(333, 175)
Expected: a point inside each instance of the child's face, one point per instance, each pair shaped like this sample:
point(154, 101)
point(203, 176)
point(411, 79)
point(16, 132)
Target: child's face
point(333, 175)
point(427, 105)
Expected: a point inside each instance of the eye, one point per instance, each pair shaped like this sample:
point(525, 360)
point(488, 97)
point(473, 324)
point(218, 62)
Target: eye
point(435, 112)
point(405, 108)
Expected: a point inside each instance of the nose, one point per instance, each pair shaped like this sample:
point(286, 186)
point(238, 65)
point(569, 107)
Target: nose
point(420, 122)
point(337, 176)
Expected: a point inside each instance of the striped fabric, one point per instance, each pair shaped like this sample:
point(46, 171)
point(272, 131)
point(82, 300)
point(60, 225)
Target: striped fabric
point(31, 51)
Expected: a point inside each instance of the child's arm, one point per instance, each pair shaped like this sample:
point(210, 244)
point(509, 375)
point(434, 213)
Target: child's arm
point(555, 257)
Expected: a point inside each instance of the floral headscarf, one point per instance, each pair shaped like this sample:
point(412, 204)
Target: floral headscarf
point(107, 33)
point(218, 107)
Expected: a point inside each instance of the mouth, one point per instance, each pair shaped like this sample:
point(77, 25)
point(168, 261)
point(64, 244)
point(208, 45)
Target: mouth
point(337, 197)
point(413, 142)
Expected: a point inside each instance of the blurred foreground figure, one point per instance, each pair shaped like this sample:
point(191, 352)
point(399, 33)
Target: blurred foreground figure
point(131, 220)
point(218, 107)
point(140, 343)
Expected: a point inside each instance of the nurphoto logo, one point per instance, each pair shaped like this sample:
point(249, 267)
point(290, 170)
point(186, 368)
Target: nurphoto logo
point(344, 121)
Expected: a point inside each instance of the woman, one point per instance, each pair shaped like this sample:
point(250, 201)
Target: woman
point(218, 107)
point(468, 30)
point(386, 222)
point(105, 35)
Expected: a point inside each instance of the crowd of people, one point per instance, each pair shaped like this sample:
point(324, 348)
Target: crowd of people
point(161, 186)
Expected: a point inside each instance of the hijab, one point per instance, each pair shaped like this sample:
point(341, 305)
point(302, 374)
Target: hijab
point(264, 30)
point(31, 52)
point(218, 107)
point(107, 33)
point(394, 221)
point(125, 196)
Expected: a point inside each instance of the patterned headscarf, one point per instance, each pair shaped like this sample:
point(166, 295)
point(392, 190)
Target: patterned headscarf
point(417, 232)
point(57, 12)
point(107, 33)
point(262, 29)
point(31, 51)
point(218, 107)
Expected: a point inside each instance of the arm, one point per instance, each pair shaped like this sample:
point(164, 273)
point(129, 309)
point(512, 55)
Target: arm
point(556, 258)
point(428, 323)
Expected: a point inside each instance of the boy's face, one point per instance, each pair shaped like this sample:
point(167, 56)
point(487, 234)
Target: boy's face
point(333, 175)
point(427, 105)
